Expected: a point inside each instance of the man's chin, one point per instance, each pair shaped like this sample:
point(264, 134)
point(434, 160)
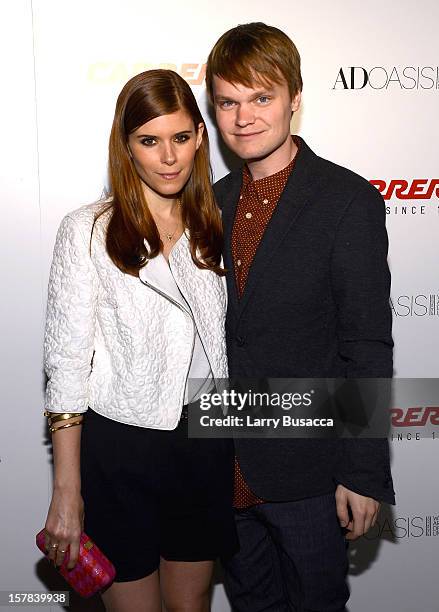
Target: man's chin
point(255, 156)
point(250, 154)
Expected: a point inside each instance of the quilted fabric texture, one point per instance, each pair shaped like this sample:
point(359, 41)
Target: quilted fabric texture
point(117, 345)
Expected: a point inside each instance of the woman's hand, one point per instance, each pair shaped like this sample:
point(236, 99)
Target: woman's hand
point(64, 524)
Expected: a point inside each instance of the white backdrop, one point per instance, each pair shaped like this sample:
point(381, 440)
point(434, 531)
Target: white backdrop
point(370, 102)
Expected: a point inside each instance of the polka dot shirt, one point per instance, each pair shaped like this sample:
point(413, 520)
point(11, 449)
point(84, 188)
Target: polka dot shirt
point(257, 202)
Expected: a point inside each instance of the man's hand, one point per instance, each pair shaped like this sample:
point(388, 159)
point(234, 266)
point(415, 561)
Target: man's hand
point(364, 512)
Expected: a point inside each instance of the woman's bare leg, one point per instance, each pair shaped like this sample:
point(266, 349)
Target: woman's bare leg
point(186, 585)
point(134, 596)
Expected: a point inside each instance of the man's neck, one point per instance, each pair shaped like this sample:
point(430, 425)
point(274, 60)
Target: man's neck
point(275, 162)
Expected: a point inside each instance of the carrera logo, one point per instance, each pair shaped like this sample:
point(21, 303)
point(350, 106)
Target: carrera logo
point(415, 417)
point(110, 72)
point(417, 189)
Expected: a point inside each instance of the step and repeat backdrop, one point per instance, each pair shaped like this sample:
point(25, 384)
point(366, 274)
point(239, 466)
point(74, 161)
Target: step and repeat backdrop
point(370, 102)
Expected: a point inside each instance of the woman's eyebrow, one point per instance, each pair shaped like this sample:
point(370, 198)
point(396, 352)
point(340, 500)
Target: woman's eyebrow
point(158, 137)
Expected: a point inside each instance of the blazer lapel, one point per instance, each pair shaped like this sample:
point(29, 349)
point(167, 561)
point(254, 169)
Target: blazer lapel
point(228, 218)
point(294, 197)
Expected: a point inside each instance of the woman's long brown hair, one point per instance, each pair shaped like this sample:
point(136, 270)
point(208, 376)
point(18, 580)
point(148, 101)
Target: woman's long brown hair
point(146, 96)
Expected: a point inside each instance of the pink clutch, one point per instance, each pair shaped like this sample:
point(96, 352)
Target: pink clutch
point(92, 572)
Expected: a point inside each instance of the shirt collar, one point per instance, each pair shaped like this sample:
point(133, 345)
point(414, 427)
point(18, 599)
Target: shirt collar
point(279, 178)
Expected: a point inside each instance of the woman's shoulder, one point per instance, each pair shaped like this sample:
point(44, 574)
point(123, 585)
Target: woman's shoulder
point(85, 226)
point(88, 215)
point(87, 222)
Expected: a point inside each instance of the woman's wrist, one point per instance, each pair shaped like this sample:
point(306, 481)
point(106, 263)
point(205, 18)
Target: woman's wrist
point(70, 486)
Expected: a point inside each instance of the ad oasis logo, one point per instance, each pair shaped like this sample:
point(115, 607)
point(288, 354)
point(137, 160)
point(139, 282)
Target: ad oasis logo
point(410, 195)
point(420, 305)
point(111, 72)
point(389, 528)
point(385, 77)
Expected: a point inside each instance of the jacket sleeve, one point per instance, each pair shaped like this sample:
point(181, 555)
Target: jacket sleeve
point(361, 286)
point(70, 321)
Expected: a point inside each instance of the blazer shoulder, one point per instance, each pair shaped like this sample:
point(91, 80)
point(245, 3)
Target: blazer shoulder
point(223, 186)
point(351, 195)
point(342, 180)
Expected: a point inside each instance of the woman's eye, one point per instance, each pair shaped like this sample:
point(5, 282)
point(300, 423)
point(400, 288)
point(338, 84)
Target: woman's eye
point(182, 138)
point(148, 141)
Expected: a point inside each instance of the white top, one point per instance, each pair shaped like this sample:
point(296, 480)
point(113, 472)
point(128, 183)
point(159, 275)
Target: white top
point(122, 344)
point(200, 378)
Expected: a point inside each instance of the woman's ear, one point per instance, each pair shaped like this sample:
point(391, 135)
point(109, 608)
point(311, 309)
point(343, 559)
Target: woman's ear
point(200, 130)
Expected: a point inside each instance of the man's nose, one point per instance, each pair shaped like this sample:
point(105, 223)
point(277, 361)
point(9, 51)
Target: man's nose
point(245, 115)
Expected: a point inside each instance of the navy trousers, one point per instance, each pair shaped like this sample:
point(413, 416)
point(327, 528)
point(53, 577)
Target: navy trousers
point(293, 557)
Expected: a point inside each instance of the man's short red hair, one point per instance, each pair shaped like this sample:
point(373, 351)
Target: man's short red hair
point(255, 53)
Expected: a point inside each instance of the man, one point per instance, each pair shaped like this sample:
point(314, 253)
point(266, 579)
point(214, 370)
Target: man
point(305, 249)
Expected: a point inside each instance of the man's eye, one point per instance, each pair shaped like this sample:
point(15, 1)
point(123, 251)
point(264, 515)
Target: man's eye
point(225, 103)
point(148, 141)
point(263, 99)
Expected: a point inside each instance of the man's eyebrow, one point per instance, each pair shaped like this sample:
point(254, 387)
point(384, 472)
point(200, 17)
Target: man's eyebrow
point(256, 94)
point(222, 97)
point(263, 92)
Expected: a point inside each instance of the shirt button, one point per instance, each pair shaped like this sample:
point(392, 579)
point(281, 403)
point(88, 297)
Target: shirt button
point(240, 341)
point(248, 215)
point(238, 262)
point(265, 201)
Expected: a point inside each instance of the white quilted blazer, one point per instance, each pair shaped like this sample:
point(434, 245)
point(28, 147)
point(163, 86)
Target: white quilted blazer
point(121, 344)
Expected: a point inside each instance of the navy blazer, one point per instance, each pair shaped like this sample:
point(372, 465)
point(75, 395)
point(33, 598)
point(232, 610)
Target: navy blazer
point(316, 304)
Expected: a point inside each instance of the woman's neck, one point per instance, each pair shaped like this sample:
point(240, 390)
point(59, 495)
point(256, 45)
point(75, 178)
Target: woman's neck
point(160, 206)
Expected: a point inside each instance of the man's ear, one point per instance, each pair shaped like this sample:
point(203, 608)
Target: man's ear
point(295, 102)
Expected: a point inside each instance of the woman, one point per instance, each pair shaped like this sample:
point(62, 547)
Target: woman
point(136, 308)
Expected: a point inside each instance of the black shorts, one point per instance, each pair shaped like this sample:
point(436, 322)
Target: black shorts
point(150, 493)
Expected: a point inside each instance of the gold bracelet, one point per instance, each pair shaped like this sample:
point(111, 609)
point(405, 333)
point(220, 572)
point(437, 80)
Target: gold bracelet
point(54, 417)
point(54, 429)
point(64, 417)
point(54, 414)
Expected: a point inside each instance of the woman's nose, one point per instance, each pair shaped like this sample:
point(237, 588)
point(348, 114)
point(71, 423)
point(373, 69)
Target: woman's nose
point(168, 154)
